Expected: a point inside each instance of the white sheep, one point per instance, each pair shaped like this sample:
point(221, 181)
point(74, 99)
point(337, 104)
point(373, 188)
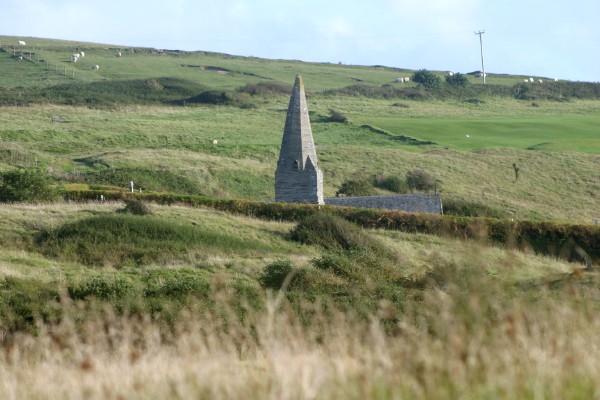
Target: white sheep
point(530, 79)
point(215, 142)
point(450, 73)
point(526, 80)
point(540, 81)
point(82, 54)
point(96, 67)
point(22, 43)
point(399, 80)
point(74, 57)
point(119, 54)
point(407, 79)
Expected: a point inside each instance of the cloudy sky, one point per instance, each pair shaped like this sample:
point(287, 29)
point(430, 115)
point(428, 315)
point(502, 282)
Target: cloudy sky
point(530, 37)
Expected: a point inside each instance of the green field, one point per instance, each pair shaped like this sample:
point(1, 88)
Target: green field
point(189, 302)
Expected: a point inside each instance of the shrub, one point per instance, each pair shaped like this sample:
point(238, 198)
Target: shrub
point(135, 207)
point(30, 185)
point(463, 208)
point(427, 79)
point(274, 274)
point(335, 233)
point(336, 116)
point(392, 183)
point(359, 187)
point(457, 79)
point(418, 179)
point(266, 88)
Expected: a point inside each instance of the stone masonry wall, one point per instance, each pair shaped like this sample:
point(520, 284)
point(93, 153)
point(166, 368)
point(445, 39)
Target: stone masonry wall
point(429, 203)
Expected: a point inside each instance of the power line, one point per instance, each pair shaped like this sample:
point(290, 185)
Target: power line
point(480, 33)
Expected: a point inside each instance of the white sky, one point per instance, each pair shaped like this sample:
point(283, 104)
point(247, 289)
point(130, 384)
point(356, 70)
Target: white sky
point(529, 37)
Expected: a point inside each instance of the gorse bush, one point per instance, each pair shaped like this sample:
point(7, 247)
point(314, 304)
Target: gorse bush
point(135, 207)
point(274, 274)
point(266, 88)
point(463, 208)
point(393, 183)
point(419, 179)
point(457, 79)
point(427, 79)
point(356, 187)
point(336, 234)
point(337, 116)
point(30, 185)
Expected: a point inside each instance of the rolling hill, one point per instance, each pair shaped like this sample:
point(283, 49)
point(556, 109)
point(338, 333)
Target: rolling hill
point(135, 300)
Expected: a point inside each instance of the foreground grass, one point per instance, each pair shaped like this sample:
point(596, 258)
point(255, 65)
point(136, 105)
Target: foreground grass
point(462, 340)
point(458, 319)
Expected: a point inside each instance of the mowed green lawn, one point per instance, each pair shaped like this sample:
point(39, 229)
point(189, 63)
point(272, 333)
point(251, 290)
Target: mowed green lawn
point(579, 133)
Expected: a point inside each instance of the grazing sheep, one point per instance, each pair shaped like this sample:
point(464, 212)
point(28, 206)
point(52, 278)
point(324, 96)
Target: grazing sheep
point(526, 80)
point(215, 142)
point(22, 43)
point(74, 57)
point(540, 81)
point(119, 54)
point(406, 79)
point(399, 80)
point(450, 73)
point(96, 67)
point(82, 54)
point(530, 79)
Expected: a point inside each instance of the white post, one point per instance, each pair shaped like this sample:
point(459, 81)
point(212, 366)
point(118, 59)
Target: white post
point(131, 186)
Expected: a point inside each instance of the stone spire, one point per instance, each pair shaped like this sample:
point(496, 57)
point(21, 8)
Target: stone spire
point(298, 178)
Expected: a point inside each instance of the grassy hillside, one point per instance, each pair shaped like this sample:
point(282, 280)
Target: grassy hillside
point(185, 302)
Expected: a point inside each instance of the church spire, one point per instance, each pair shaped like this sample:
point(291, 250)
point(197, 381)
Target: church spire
point(294, 182)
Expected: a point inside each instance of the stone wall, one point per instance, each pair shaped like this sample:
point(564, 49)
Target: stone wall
point(429, 203)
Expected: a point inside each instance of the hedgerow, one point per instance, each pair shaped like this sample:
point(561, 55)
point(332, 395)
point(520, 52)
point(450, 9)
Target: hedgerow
point(561, 240)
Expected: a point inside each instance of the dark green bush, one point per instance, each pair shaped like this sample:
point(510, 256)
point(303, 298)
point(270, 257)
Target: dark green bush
point(335, 234)
point(219, 97)
point(135, 207)
point(337, 116)
point(31, 185)
point(457, 79)
point(393, 183)
point(274, 274)
point(463, 208)
point(102, 287)
point(356, 187)
point(427, 79)
point(266, 88)
point(419, 179)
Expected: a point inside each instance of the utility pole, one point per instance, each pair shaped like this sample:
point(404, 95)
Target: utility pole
point(481, 47)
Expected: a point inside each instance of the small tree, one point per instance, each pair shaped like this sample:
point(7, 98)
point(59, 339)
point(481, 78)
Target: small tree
point(31, 185)
point(457, 79)
point(418, 179)
point(427, 79)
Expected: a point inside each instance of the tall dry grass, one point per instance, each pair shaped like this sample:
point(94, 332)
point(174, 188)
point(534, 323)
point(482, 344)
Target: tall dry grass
point(454, 341)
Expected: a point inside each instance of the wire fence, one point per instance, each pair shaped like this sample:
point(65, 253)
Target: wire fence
point(21, 54)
